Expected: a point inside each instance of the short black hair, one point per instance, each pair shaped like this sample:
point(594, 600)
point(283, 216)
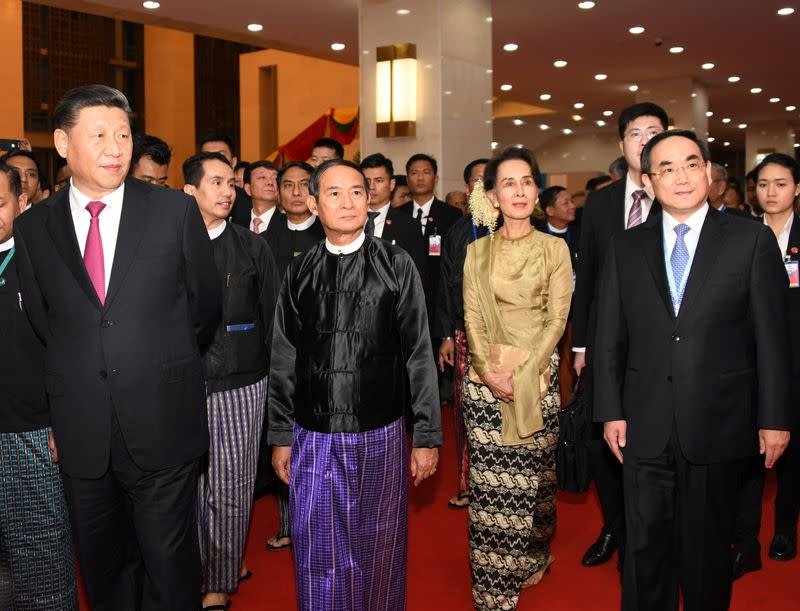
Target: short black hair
point(151, 146)
point(422, 157)
point(400, 180)
point(642, 109)
point(511, 153)
point(330, 143)
point(469, 166)
point(218, 137)
point(67, 109)
point(672, 133)
point(548, 197)
point(595, 182)
point(781, 159)
point(618, 167)
point(193, 171)
point(313, 184)
point(14, 181)
point(241, 165)
point(752, 175)
point(248, 171)
point(294, 164)
point(378, 160)
point(19, 153)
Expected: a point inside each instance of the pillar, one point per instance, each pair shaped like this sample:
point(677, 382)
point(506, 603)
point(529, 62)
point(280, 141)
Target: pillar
point(12, 121)
point(453, 39)
point(169, 93)
point(768, 137)
point(684, 99)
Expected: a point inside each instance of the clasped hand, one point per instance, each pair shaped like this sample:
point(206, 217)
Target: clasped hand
point(501, 385)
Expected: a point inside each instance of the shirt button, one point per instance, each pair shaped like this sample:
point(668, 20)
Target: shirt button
point(676, 338)
point(106, 324)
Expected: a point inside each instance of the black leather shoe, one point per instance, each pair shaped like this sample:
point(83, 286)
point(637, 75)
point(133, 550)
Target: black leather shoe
point(601, 550)
point(783, 547)
point(745, 562)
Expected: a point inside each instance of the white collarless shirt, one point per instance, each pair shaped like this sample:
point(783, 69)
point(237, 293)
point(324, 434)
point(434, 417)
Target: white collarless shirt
point(7, 245)
point(109, 220)
point(213, 234)
point(301, 226)
point(647, 201)
point(347, 249)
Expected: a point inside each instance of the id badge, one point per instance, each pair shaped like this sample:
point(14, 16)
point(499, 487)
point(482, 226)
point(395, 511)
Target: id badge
point(793, 271)
point(574, 277)
point(435, 245)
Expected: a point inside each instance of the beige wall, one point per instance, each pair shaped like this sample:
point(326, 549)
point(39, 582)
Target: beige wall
point(578, 153)
point(169, 93)
point(306, 88)
point(11, 102)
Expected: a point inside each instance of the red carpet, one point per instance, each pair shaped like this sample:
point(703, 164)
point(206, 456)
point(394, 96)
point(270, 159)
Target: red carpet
point(439, 578)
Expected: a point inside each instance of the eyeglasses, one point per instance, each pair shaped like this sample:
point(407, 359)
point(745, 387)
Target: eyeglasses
point(671, 173)
point(636, 135)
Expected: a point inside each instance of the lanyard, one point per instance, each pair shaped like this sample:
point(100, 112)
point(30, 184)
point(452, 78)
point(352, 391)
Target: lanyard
point(6, 261)
point(474, 230)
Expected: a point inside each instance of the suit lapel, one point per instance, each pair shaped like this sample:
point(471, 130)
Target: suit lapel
point(135, 214)
point(62, 231)
point(794, 239)
point(708, 248)
point(388, 226)
point(653, 246)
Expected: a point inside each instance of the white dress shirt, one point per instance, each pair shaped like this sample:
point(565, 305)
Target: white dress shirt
point(783, 236)
point(265, 219)
point(647, 201)
point(213, 234)
point(426, 212)
point(347, 249)
point(7, 245)
point(380, 220)
point(301, 226)
point(108, 220)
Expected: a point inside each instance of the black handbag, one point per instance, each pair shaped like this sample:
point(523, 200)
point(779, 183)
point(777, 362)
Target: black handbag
point(572, 460)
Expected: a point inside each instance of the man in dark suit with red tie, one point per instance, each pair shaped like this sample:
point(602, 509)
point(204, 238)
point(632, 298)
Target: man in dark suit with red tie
point(692, 376)
point(622, 205)
point(118, 279)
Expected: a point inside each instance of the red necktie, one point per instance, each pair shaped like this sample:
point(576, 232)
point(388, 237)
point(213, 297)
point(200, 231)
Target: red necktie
point(93, 253)
point(257, 222)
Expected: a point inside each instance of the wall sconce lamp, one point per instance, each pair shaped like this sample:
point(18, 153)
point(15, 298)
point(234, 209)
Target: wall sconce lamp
point(396, 90)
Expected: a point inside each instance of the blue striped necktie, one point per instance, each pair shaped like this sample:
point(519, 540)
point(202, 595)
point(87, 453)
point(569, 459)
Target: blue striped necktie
point(679, 260)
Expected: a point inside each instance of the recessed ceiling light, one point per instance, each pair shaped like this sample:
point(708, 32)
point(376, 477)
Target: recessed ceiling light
point(711, 138)
point(796, 145)
point(519, 146)
point(791, 108)
point(785, 11)
point(488, 20)
point(586, 5)
point(545, 96)
point(566, 131)
point(338, 46)
point(676, 50)
point(447, 92)
point(488, 121)
point(494, 145)
point(544, 127)
point(756, 90)
point(726, 144)
point(600, 77)
point(608, 113)
point(707, 66)
point(560, 63)
point(518, 122)
point(506, 87)
point(255, 27)
point(742, 125)
point(633, 88)
point(637, 29)
point(511, 46)
point(150, 4)
point(489, 71)
point(402, 11)
point(577, 118)
point(734, 79)
point(709, 113)
point(774, 100)
point(600, 123)
point(578, 105)
point(726, 120)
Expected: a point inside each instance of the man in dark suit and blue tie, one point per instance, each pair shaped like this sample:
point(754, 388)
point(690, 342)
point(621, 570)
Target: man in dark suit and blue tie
point(118, 279)
point(692, 367)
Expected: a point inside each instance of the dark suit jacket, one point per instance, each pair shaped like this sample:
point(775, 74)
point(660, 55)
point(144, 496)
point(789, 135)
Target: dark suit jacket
point(404, 232)
point(242, 206)
point(286, 244)
point(572, 238)
point(603, 217)
point(440, 219)
point(138, 354)
point(721, 369)
point(793, 253)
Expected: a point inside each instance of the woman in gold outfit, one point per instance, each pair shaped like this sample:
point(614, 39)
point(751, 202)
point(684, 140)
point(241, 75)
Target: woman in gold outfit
point(517, 292)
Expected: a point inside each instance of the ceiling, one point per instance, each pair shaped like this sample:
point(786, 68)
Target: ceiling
point(745, 38)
